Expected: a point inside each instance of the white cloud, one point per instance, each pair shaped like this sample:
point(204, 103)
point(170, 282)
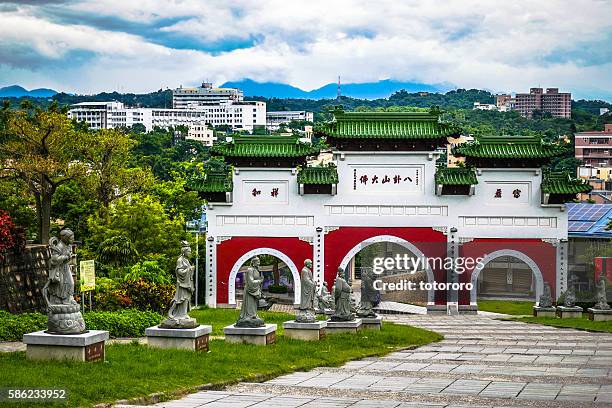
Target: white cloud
point(472, 43)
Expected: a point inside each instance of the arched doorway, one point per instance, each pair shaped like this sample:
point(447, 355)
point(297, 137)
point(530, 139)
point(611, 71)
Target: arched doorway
point(507, 273)
point(246, 258)
point(409, 248)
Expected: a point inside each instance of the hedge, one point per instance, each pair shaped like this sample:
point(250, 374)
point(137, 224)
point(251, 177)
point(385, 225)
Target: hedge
point(124, 323)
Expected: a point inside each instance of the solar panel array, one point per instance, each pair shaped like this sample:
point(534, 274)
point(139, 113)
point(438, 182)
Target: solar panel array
point(588, 212)
point(579, 226)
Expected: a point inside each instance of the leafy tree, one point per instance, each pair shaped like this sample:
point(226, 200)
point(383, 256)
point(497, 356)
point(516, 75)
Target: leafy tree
point(145, 221)
point(107, 154)
point(117, 250)
point(38, 147)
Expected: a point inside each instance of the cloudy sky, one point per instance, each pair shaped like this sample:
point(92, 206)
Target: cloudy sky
point(88, 46)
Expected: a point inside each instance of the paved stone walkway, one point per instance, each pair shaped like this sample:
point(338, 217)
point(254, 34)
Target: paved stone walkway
point(481, 363)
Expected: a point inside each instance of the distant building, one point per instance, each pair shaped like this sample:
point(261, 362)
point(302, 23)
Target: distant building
point(275, 119)
point(201, 132)
point(594, 148)
point(558, 104)
point(106, 115)
point(603, 111)
point(205, 95)
point(484, 106)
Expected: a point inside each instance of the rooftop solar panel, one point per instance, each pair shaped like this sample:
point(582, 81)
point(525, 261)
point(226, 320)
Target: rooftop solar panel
point(579, 226)
point(588, 212)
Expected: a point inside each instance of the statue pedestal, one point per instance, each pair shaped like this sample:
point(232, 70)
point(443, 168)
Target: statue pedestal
point(195, 339)
point(343, 327)
point(372, 323)
point(565, 312)
point(544, 311)
point(251, 335)
point(89, 346)
point(598, 315)
point(305, 331)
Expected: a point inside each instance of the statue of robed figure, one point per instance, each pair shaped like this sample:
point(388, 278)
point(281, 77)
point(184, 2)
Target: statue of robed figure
point(63, 312)
point(369, 295)
point(178, 313)
point(308, 288)
point(601, 294)
point(342, 296)
point(253, 281)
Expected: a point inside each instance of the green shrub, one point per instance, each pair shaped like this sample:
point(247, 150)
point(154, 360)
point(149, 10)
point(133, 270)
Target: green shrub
point(14, 326)
point(140, 294)
point(125, 323)
point(277, 289)
point(149, 271)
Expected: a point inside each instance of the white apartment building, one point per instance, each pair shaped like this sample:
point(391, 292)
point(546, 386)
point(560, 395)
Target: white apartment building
point(484, 106)
point(276, 118)
point(201, 132)
point(205, 95)
point(106, 115)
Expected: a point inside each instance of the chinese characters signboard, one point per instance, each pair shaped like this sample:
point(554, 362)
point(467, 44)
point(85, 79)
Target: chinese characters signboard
point(265, 192)
point(87, 276)
point(388, 179)
point(507, 193)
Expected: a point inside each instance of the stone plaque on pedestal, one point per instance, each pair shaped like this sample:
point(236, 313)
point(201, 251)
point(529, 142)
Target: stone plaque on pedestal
point(350, 326)
point(262, 336)
point(305, 331)
point(195, 339)
point(598, 315)
point(88, 346)
point(373, 323)
point(544, 311)
point(566, 312)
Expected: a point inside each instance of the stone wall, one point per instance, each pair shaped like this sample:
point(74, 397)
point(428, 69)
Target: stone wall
point(417, 297)
point(22, 277)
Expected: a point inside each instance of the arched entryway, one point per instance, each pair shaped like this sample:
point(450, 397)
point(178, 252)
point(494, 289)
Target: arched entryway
point(263, 251)
point(396, 240)
point(537, 274)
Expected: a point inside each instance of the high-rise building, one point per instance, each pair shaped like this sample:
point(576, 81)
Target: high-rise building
point(205, 95)
point(558, 104)
point(594, 149)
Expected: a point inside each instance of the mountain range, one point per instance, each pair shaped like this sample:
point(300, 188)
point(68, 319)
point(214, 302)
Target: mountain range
point(16, 91)
point(366, 90)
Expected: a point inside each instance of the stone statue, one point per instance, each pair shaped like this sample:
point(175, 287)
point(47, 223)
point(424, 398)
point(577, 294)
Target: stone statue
point(546, 297)
point(601, 295)
point(178, 317)
point(570, 293)
point(325, 299)
point(342, 296)
point(306, 311)
point(253, 281)
point(64, 313)
point(369, 295)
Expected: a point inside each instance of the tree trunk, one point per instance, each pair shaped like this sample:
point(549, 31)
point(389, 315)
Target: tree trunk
point(45, 217)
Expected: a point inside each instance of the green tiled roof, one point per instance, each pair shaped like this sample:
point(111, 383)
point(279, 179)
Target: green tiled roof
point(563, 183)
point(318, 175)
point(509, 147)
point(264, 146)
point(386, 125)
point(456, 176)
point(214, 182)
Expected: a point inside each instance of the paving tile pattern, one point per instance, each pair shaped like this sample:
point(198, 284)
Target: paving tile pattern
point(481, 363)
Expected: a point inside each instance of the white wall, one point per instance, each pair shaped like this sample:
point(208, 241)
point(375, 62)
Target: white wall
point(481, 215)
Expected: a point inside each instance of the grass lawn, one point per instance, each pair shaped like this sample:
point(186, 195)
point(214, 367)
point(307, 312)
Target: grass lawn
point(582, 324)
point(133, 370)
point(511, 307)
